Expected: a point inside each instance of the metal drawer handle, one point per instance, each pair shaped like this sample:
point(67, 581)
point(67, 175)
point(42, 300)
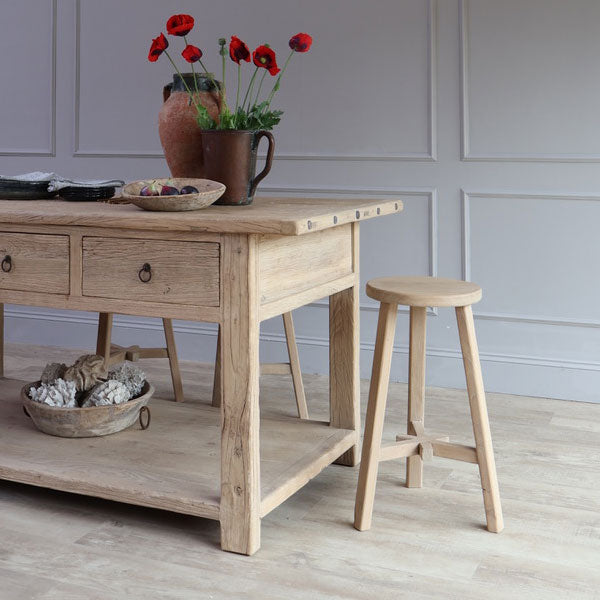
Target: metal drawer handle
point(145, 273)
point(7, 264)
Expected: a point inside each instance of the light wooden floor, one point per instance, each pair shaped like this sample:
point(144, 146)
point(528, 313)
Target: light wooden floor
point(427, 543)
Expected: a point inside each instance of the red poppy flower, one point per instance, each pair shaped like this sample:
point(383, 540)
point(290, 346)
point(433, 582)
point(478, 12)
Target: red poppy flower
point(238, 50)
point(159, 45)
point(301, 42)
point(180, 25)
point(192, 54)
point(265, 57)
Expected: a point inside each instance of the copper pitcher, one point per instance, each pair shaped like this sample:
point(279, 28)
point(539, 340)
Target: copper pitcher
point(230, 158)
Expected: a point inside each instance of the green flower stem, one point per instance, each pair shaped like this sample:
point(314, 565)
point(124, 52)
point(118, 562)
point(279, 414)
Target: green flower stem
point(237, 96)
point(210, 77)
point(250, 85)
point(277, 83)
point(193, 70)
point(192, 98)
point(262, 79)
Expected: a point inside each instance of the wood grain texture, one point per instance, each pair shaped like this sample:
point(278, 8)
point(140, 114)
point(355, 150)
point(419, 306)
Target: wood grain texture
point(424, 291)
point(173, 360)
point(292, 265)
point(289, 303)
point(426, 544)
point(294, 366)
point(209, 314)
point(286, 216)
point(40, 263)
point(479, 417)
point(104, 336)
point(344, 349)
point(135, 467)
point(416, 390)
point(181, 272)
point(240, 463)
point(378, 390)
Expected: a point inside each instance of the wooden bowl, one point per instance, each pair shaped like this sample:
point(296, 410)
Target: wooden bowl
point(93, 421)
point(208, 193)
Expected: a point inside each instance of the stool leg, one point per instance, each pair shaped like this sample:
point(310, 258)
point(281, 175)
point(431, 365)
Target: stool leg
point(479, 416)
point(173, 361)
point(382, 359)
point(105, 323)
point(416, 391)
point(216, 397)
point(292, 347)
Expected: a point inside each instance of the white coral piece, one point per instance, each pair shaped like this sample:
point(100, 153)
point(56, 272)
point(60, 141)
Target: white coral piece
point(52, 372)
point(130, 375)
point(107, 393)
point(60, 393)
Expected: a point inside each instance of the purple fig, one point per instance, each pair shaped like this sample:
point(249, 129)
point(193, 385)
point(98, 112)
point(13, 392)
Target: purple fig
point(188, 189)
point(149, 190)
point(169, 190)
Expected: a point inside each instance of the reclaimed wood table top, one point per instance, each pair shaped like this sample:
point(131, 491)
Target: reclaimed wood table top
point(283, 216)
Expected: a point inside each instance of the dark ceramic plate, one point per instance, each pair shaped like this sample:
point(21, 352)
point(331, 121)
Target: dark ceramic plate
point(24, 190)
point(86, 194)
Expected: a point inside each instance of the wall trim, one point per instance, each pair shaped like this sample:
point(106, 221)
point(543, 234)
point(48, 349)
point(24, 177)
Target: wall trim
point(466, 258)
point(141, 323)
point(429, 156)
point(465, 149)
point(51, 151)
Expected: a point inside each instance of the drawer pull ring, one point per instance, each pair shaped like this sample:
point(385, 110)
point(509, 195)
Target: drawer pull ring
point(7, 264)
point(145, 273)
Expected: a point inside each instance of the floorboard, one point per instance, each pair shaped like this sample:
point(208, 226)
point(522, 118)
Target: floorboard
point(425, 543)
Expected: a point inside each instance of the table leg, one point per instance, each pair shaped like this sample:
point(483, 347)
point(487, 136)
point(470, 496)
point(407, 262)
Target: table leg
point(240, 460)
point(344, 348)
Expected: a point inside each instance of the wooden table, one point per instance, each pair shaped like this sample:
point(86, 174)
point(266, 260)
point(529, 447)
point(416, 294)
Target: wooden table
point(235, 266)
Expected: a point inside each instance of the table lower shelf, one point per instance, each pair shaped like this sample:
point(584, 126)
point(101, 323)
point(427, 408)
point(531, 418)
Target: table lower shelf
point(174, 465)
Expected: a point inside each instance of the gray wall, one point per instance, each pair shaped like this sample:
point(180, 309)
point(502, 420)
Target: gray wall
point(481, 114)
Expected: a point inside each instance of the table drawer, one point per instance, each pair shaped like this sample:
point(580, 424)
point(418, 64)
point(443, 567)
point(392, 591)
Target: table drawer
point(152, 270)
point(34, 262)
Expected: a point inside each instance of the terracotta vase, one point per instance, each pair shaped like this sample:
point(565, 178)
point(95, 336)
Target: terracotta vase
point(230, 158)
point(179, 133)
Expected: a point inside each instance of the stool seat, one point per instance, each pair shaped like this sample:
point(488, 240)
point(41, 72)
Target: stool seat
point(423, 291)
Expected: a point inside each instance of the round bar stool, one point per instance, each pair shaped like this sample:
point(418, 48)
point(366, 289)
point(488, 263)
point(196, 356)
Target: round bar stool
point(417, 446)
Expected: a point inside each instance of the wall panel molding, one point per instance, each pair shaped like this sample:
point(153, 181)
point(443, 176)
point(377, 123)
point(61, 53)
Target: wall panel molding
point(465, 151)
point(140, 323)
point(466, 198)
point(429, 156)
point(51, 151)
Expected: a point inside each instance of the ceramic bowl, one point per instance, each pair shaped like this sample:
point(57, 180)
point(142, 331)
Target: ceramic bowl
point(93, 421)
point(208, 193)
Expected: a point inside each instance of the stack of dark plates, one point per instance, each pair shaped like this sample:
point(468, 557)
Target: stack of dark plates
point(86, 194)
point(25, 190)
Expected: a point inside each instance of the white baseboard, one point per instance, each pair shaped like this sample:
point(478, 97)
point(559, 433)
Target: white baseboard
point(507, 373)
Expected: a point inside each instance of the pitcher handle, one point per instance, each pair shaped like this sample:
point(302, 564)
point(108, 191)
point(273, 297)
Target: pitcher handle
point(269, 160)
point(167, 91)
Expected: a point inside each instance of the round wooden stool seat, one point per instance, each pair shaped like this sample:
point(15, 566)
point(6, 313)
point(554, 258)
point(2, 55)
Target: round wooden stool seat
point(423, 291)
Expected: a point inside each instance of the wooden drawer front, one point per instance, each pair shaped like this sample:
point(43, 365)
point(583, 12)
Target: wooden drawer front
point(38, 262)
point(181, 272)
